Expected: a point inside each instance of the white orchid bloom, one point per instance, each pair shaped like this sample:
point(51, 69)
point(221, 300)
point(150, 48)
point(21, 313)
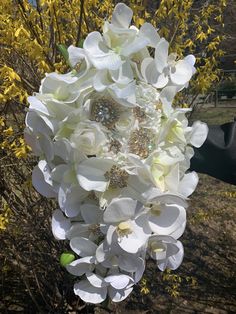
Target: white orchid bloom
point(164, 68)
point(117, 43)
point(110, 180)
point(164, 168)
point(116, 53)
point(167, 219)
point(112, 256)
point(86, 249)
point(59, 88)
point(127, 224)
point(167, 251)
point(95, 288)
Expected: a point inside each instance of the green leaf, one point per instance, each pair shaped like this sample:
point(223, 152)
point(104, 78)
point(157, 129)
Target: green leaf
point(63, 51)
point(66, 258)
point(81, 42)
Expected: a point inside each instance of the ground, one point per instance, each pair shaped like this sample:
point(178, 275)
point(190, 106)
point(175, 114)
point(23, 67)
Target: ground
point(204, 283)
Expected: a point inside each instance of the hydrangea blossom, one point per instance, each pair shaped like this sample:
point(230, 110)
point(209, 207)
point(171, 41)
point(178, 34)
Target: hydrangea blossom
point(115, 154)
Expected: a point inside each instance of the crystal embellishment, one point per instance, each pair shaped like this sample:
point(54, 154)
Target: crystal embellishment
point(106, 112)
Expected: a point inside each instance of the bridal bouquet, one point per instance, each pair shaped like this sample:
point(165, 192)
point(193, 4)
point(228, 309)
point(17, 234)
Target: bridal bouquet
point(115, 154)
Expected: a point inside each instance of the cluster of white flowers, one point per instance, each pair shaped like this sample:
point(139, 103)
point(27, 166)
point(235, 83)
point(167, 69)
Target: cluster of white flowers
point(115, 154)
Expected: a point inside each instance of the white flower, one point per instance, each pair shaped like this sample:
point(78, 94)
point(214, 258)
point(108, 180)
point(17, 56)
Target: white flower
point(95, 288)
point(118, 40)
point(164, 68)
point(167, 219)
point(127, 225)
point(59, 88)
point(89, 137)
point(113, 257)
point(167, 252)
point(116, 154)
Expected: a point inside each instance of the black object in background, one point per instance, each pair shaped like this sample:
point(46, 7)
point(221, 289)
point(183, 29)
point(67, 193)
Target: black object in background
point(217, 156)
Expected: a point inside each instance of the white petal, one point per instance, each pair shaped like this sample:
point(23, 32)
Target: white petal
point(161, 54)
point(37, 123)
point(149, 71)
point(161, 81)
point(122, 16)
point(188, 184)
point(190, 59)
point(120, 209)
point(170, 219)
point(81, 266)
point(166, 96)
point(140, 269)
point(149, 32)
point(100, 253)
point(91, 172)
point(99, 54)
point(119, 295)
point(37, 105)
point(46, 146)
point(111, 234)
point(128, 262)
point(96, 280)
point(58, 172)
point(83, 246)
point(91, 213)
point(76, 55)
point(78, 230)
point(123, 75)
point(169, 199)
point(174, 261)
point(199, 133)
point(70, 200)
point(183, 73)
point(40, 179)
point(118, 281)
point(135, 46)
point(101, 80)
point(124, 91)
point(131, 244)
point(89, 293)
point(60, 225)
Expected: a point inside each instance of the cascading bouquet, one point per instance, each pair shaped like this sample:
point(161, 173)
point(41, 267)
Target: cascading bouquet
point(116, 154)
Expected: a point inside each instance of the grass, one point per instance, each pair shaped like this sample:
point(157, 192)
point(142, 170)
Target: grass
point(214, 115)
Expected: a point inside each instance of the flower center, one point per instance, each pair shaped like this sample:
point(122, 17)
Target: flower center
point(156, 210)
point(157, 247)
point(141, 142)
point(123, 229)
point(105, 112)
point(139, 114)
point(115, 146)
point(118, 178)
